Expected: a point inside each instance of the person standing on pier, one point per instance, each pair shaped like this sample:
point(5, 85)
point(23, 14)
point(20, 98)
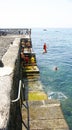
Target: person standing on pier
point(33, 61)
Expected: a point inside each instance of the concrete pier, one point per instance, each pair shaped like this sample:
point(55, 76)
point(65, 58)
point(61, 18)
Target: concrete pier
point(43, 114)
point(6, 80)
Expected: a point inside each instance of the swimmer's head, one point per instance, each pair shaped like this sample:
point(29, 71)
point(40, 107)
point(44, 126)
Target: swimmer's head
point(55, 68)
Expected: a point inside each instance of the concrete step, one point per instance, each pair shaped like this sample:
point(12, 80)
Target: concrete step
point(44, 115)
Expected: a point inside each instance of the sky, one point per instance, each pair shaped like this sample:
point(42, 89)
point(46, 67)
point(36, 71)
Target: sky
point(35, 13)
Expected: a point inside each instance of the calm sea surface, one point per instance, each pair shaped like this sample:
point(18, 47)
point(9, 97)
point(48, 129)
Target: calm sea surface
point(57, 84)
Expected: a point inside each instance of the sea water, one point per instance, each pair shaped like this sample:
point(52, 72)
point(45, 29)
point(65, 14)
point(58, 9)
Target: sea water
point(56, 83)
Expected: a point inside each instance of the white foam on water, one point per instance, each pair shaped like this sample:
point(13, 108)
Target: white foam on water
point(56, 95)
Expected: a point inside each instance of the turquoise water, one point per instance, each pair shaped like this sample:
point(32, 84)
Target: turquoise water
point(57, 84)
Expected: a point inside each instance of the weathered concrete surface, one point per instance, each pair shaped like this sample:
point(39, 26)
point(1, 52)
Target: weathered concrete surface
point(5, 42)
point(44, 115)
point(5, 88)
point(6, 78)
point(12, 53)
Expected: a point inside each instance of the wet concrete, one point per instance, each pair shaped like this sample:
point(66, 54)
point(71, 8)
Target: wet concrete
point(44, 115)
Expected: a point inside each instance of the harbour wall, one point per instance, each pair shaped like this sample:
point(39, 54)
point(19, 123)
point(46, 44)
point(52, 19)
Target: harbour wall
point(9, 82)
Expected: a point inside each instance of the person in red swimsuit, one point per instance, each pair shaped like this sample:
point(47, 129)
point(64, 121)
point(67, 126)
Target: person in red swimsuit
point(45, 48)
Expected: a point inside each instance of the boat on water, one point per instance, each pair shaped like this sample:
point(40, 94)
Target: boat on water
point(44, 29)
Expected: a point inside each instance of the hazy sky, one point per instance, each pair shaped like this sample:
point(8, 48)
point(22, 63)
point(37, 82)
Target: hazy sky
point(35, 13)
